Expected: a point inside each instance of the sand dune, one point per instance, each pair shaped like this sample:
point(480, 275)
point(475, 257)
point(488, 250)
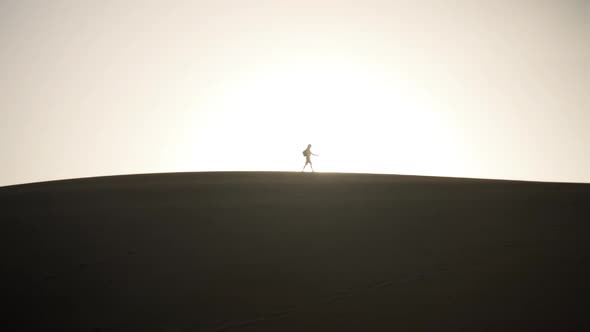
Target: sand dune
point(295, 252)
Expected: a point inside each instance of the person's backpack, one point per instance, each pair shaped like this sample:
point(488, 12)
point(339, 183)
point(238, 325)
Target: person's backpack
point(304, 154)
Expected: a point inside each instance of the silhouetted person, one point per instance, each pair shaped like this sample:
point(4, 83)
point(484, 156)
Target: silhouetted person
point(307, 153)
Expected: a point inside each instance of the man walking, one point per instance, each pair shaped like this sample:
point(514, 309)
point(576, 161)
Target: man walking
point(307, 154)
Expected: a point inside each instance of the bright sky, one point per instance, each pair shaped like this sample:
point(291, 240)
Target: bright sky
point(491, 89)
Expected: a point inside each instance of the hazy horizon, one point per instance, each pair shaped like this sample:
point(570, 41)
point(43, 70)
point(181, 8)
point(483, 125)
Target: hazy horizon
point(461, 88)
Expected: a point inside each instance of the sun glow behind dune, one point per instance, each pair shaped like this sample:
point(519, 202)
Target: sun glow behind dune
point(359, 117)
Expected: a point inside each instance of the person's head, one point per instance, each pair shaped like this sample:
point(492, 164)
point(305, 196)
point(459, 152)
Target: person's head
point(308, 145)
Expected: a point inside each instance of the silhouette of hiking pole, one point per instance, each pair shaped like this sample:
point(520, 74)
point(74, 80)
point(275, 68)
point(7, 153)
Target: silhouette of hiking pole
point(307, 154)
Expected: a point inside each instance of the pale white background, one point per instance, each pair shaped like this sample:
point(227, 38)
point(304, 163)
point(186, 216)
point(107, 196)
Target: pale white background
point(492, 89)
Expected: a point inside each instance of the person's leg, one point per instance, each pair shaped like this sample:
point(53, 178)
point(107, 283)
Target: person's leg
point(311, 165)
point(307, 161)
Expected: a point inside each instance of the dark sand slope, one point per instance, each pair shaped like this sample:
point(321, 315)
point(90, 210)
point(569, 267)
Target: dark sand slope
point(295, 252)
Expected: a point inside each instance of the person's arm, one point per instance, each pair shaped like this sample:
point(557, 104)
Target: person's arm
point(317, 155)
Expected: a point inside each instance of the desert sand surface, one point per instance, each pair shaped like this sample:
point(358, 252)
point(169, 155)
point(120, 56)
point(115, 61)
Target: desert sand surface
point(272, 251)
